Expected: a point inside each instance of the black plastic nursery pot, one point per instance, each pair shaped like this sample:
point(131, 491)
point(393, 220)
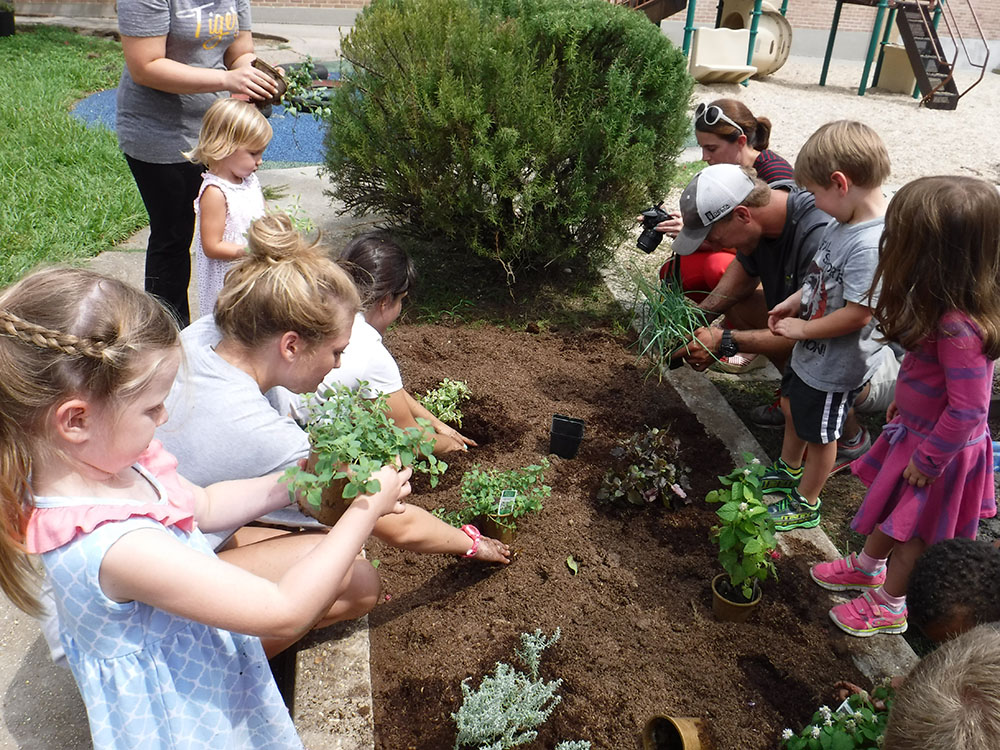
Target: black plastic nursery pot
point(6, 23)
point(723, 605)
point(565, 436)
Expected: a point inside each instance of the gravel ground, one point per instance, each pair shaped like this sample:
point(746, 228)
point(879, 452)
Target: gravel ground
point(920, 141)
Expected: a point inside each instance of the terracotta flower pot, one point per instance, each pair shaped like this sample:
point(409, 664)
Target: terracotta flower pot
point(726, 609)
point(673, 733)
point(332, 503)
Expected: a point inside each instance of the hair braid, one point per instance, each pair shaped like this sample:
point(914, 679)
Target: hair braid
point(46, 338)
point(63, 331)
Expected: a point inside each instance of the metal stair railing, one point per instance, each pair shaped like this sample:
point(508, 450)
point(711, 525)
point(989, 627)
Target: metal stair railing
point(945, 92)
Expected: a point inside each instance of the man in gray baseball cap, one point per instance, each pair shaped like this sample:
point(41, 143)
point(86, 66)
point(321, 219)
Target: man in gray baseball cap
point(711, 195)
point(775, 230)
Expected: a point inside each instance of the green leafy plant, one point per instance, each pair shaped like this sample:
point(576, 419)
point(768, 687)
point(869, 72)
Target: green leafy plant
point(6, 7)
point(858, 724)
point(573, 565)
point(443, 402)
point(665, 319)
point(353, 437)
point(528, 131)
point(504, 711)
point(745, 533)
point(481, 490)
point(646, 469)
point(302, 95)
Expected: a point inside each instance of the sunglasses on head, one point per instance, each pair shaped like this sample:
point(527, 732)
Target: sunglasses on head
point(710, 114)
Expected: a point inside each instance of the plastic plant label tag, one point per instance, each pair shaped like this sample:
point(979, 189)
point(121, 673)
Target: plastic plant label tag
point(505, 506)
point(845, 707)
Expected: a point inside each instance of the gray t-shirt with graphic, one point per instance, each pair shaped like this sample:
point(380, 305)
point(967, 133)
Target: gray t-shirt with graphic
point(841, 271)
point(154, 126)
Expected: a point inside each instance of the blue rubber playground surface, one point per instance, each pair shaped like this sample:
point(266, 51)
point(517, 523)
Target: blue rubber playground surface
point(297, 140)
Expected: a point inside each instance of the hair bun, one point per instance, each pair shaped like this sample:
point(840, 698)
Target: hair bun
point(274, 237)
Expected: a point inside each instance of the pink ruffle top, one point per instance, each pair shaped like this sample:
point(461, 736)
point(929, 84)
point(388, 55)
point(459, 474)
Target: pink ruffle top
point(50, 528)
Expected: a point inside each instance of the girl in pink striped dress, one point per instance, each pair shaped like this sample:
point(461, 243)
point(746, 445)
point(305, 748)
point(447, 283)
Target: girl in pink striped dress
point(930, 474)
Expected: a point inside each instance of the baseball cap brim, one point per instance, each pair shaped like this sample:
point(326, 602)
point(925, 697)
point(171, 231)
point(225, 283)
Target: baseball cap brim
point(690, 239)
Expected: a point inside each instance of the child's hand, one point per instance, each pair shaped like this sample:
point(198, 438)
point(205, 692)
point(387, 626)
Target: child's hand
point(492, 550)
point(394, 487)
point(844, 690)
point(790, 328)
point(915, 477)
point(892, 411)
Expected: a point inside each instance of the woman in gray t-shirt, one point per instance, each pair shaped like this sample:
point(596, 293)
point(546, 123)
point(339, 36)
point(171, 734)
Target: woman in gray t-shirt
point(180, 55)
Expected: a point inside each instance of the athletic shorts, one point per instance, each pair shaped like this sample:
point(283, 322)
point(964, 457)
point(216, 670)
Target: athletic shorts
point(818, 416)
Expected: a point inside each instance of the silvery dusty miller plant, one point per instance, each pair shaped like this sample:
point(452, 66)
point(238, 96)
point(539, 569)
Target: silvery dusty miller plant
point(745, 533)
point(857, 725)
point(443, 401)
point(645, 469)
point(353, 438)
point(509, 704)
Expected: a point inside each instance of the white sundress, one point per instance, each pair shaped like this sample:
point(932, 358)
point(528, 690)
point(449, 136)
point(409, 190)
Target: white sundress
point(150, 679)
point(244, 203)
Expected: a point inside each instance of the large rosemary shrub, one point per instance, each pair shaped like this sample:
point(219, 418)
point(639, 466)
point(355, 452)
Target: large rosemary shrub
point(525, 131)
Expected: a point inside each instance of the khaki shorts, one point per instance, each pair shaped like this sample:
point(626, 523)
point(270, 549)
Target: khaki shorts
point(883, 383)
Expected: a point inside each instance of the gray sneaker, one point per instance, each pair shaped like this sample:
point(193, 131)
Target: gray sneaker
point(848, 453)
point(769, 415)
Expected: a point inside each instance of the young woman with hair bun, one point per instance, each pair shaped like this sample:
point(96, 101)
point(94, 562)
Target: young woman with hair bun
point(281, 322)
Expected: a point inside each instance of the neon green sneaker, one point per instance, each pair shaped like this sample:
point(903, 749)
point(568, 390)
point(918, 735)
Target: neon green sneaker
point(780, 478)
point(794, 512)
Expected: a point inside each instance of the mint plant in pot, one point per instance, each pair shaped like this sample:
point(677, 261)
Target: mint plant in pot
point(351, 438)
point(745, 535)
point(501, 497)
point(493, 499)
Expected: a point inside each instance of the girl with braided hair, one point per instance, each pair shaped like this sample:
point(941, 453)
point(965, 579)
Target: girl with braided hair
point(162, 636)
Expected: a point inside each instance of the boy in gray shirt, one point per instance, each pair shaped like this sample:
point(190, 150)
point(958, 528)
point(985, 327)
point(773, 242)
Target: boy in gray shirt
point(843, 164)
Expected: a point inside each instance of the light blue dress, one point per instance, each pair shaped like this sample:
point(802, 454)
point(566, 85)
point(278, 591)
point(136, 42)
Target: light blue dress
point(152, 680)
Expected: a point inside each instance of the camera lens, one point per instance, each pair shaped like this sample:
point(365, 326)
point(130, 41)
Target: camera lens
point(648, 240)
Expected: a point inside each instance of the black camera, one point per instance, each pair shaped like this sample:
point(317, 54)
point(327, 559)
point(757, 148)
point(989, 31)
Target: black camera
point(650, 238)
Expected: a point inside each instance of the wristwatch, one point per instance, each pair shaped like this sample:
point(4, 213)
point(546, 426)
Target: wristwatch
point(727, 347)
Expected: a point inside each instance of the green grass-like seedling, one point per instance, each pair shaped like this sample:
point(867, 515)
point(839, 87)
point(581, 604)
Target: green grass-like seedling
point(665, 319)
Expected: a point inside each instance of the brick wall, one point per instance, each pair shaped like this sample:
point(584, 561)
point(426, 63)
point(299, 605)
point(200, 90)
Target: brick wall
point(818, 14)
point(804, 14)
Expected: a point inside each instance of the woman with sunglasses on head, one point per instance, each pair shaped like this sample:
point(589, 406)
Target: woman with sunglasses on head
point(728, 133)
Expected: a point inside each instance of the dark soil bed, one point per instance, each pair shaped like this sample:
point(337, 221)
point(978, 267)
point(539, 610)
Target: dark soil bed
point(638, 635)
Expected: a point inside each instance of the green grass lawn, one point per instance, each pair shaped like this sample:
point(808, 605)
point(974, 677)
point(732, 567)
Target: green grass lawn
point(65, 190)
